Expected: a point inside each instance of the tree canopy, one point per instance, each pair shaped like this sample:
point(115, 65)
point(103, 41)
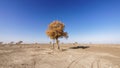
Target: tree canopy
point(56, 30)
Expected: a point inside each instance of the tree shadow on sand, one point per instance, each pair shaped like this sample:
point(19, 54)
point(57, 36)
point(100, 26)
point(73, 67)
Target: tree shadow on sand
point(64, 49)
point(78, 47)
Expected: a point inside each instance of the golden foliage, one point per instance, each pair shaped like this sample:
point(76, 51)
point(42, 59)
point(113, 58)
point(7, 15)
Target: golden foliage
point(56, 30)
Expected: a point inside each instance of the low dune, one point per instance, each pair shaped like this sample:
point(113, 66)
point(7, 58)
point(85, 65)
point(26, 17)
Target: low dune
point(70, 56)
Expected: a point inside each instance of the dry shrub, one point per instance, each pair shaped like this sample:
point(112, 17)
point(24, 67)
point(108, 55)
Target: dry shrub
point(1, 43)
point(11, 43)
point(19, 42)
point(75, 43)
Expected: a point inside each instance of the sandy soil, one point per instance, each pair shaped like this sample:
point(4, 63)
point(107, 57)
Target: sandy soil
point(70, 56)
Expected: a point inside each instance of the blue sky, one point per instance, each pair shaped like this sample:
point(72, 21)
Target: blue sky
point(96, 21)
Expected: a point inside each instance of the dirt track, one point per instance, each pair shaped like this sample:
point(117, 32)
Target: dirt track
point(39, 56)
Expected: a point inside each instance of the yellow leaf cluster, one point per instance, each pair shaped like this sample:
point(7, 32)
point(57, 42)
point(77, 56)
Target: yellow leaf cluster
point(56, 30)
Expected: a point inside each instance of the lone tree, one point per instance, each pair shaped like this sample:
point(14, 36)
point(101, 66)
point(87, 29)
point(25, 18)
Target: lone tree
point(55, 31)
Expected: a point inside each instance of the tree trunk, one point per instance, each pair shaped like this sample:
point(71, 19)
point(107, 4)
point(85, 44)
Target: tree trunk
point(57, 42)
point(53, 44)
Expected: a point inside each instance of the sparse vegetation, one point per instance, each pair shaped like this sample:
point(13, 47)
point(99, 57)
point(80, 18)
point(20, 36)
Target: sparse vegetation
point(75, 43)
point(1, 43)
point(11, 43)
point(20, 42)
point(56, 31)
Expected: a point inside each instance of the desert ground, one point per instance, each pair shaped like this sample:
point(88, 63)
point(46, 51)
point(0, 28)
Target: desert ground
point(70, 56)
